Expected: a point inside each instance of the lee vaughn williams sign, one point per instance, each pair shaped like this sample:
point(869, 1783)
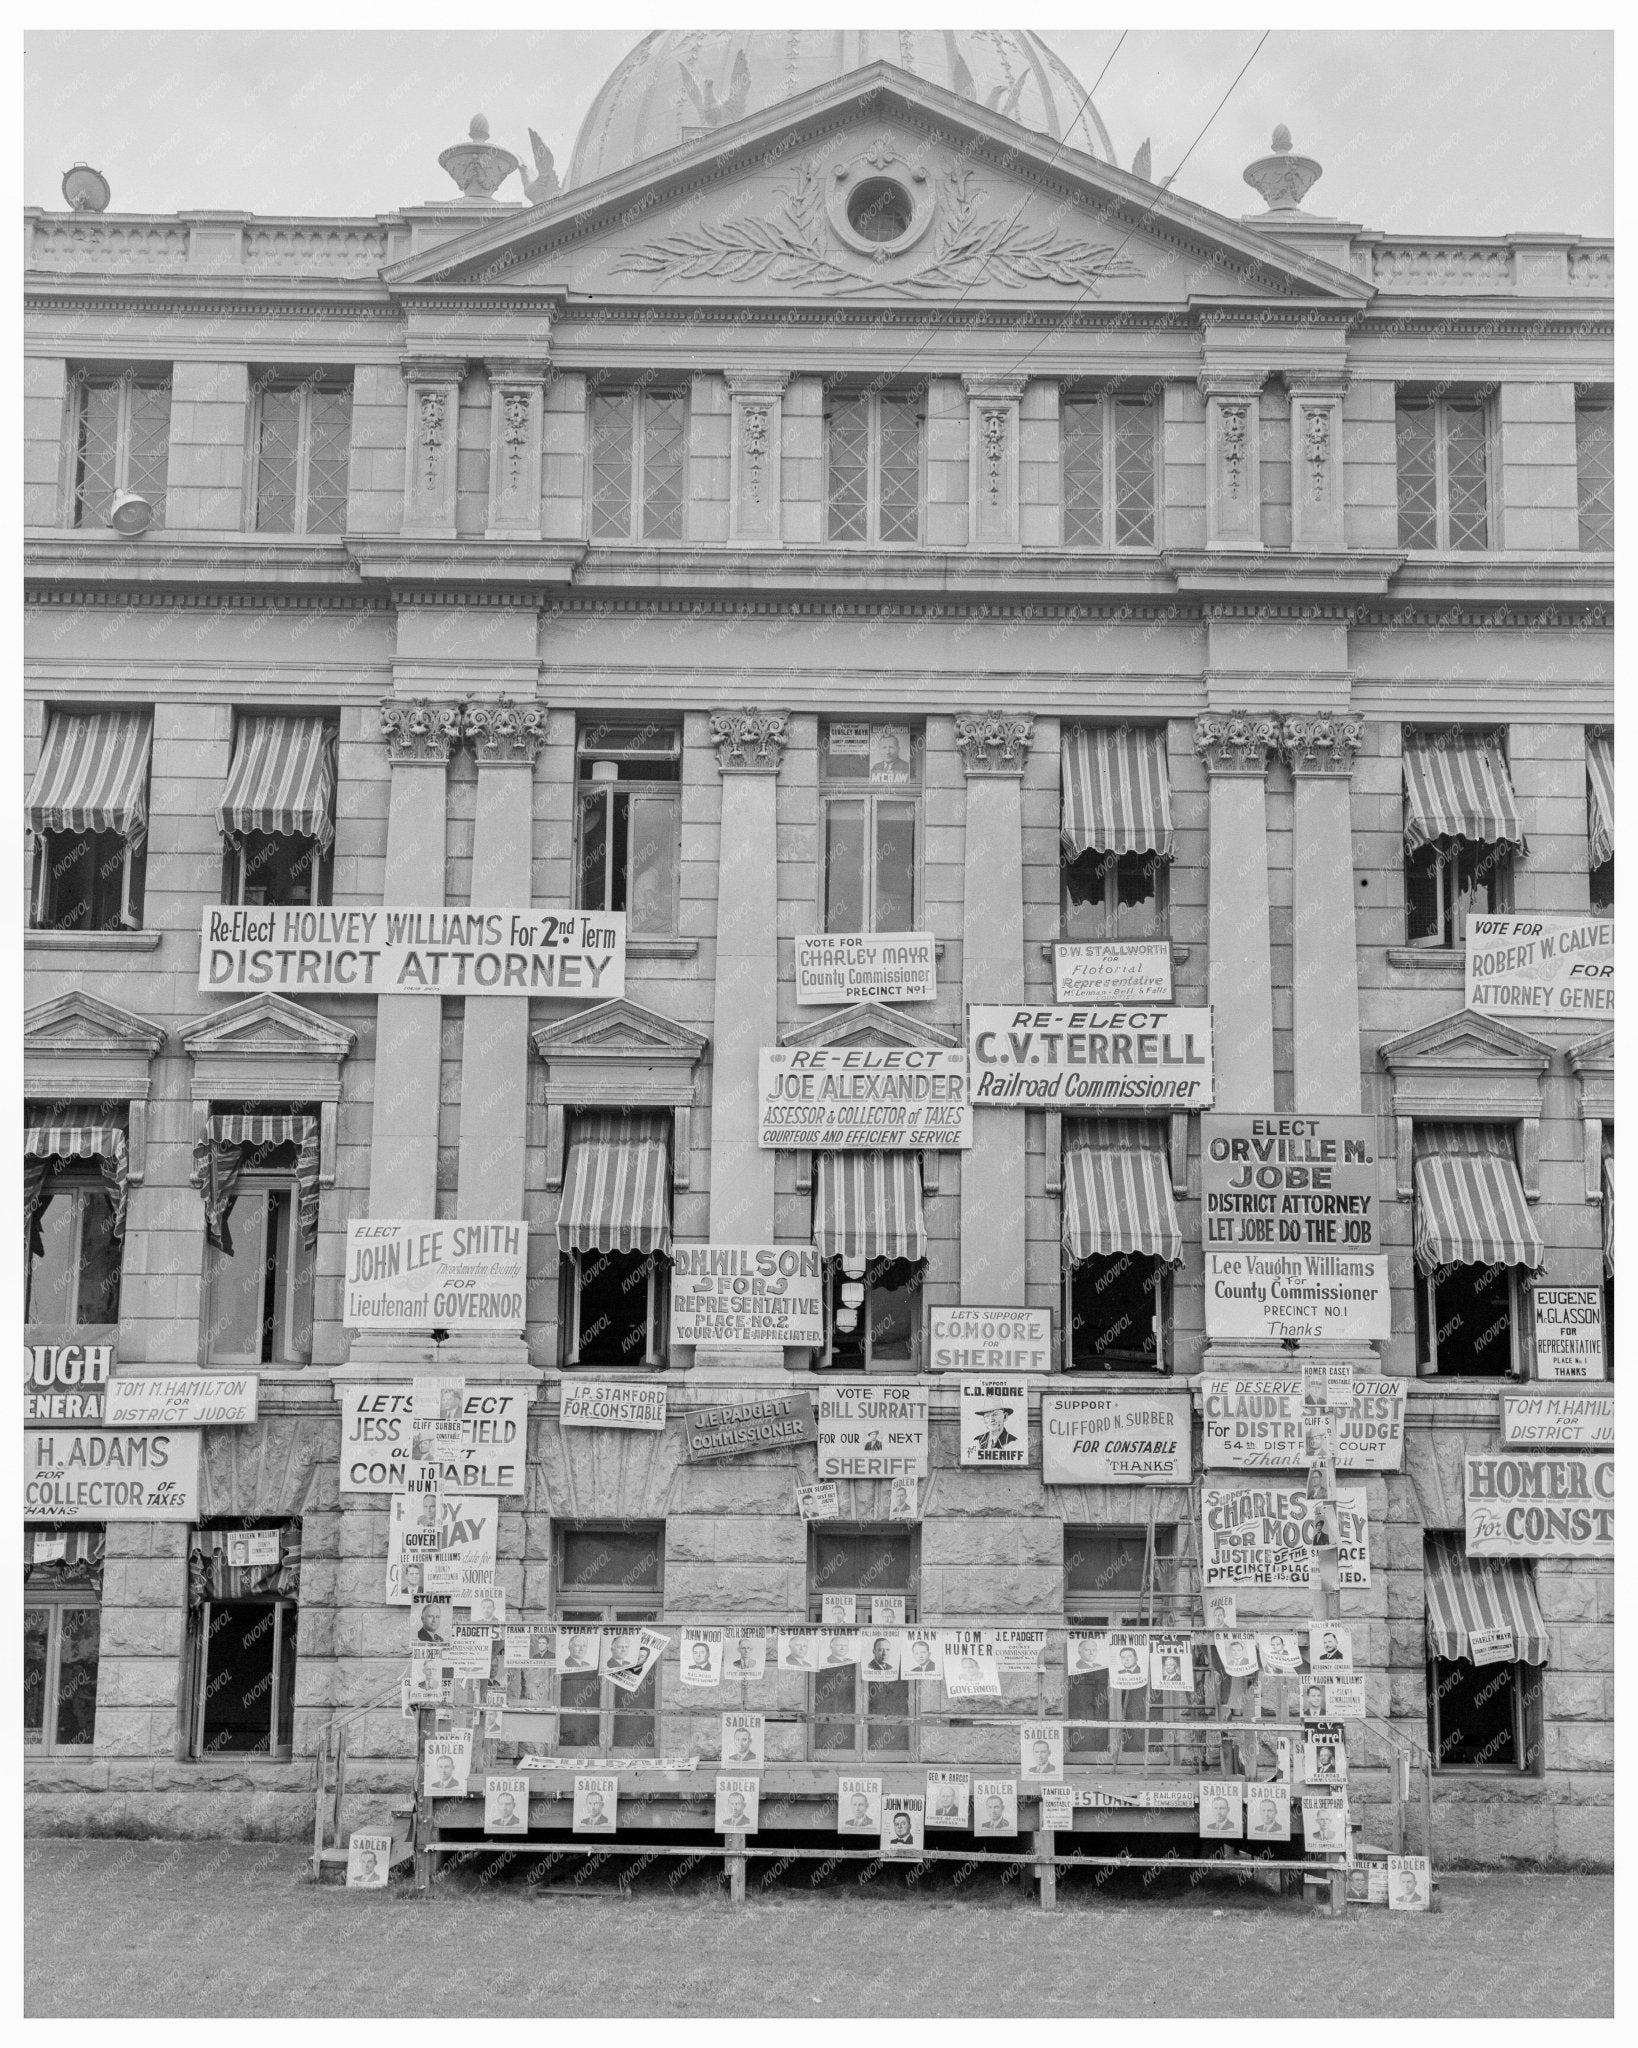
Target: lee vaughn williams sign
point(569, 954)
point(1064, 1058)
point(1288, 1181)
point(750, 1426)
point(1520, 1505)
point(837, 1097)
point(746, 1294)
point(463, 1276)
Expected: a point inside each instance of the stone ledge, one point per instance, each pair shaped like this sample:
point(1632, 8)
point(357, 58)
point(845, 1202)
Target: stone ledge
point(91, 942)
point(1427, 958)
point(662, 949)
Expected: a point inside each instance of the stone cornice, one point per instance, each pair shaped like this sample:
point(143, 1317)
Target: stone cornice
point(748, 741)
point(994, 742)
point(757, 381)
point(502, 733)
point(1235, 742)
point(416, 729)
point(1002, 390)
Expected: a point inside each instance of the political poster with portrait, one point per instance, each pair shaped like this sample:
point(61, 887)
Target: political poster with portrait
point(1085, 1651)
point(970, 1668)
point(488, 1606)
point(737, 1805)
point(887, 1610)
point(743, 1737)
point(923, 1655)
point(1410, 1884)
point(579, 1651)
point(1324, 1756)
point(838, 1647)
point(1221, 1609)
point(596, 1803)
point(949, 1797)
point(818, 1502)
point(881, 1657)
point(994, 1422)
point(431, 1678)
point(872, 1431)
point(452, 1528)
point(903, 1498)
point(1280, 1650)
point(1345, 1698)
point(369, 1860)
point(1376, 1884)
point(904, 1819)
point(1237, 1654)
point(1220, 1809)
point(839, 1610)
point(1041, 1751)
point(433, 1622)
point(1268, 1812)
point(505, 1804)
point(1171, 1664)
point(744, 1655)
point(471, 1650)
point(858, 1806)
point(1265, 1537)
point(1325, 1822)
point(995, 1806)
point(1330, 1649)
point(1128, 1661)
point(1311, 1705)
point(800, 1649)
point(1019, 1649)
point(528, 1649)
point(699, 1660)
point(449, 1759)
point(629, 1655)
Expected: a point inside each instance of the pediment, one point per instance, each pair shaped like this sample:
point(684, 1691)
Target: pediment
point(759, 209)
point(619, 1030)
point(871, 1024)
point(1468, 1042)
point(81, 1023)
point(1595, 1055)
point(267, 1046)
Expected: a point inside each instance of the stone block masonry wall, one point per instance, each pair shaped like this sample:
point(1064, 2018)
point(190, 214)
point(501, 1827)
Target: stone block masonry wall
point(375, 475)
point(1183, 467)
point(1370, 465)
point(709, 425)
point(1040, 465)
point(1534, 440)
point(209, 481)
point(45, 425)
point(948, 443)
point(472, 455)
point(802, 463)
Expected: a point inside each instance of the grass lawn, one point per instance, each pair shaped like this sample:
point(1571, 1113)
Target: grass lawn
point(234, 1928)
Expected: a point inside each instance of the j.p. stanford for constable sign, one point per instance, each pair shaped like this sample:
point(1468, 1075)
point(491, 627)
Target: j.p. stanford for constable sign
point(385, 950)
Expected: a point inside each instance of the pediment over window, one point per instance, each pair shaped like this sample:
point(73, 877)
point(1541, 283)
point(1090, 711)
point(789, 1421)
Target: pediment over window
point(618, 1055)
point(267, 1048)
point(79, 1048)
point(1467, 1069)
point(870, 1024)
point(1593, 1064)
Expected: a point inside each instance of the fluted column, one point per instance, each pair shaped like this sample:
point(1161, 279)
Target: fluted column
point(1234, 745)
point(994, 747)
point(1320, 748)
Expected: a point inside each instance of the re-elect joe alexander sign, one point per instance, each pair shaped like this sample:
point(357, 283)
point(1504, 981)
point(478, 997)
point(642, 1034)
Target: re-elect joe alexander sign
point(384, 950)
point(1089, 1058)
point(853, 1097)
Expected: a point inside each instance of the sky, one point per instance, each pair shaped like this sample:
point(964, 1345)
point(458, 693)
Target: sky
point(1443, 132)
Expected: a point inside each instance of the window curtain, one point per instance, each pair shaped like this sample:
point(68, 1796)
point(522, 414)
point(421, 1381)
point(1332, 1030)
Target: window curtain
point(230, 1144)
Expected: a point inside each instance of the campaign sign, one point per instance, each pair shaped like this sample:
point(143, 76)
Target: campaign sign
point(456, 1276)
point(1557, 1419)
point(1113, 971)
point(1090, 1439)
point(1307, 1297)
point(854, 1097)
point(1097, 1057)
point(866, 967)
point(1536, 966)
point(746, 1294)
point(1560, 1505)
point(746, 1426)
point(975, 1340)
point(1289, 1181)
point(110, 1475)
point(455, 1529)
point(1569, 1332)
point(572, 955)
point(379, 1432)
point(1260, 1422)
point(1265, 1536)
point(994, 1422)
point(181, 1400)
point(872, 1430)
point(611, 1404)
point(66, 1382)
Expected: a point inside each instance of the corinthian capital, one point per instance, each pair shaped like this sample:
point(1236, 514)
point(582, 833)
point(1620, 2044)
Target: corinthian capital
point(994, 742)
point(753, 742)
point(417, 729)
point(1235, 742)
point(1321, 742)
point(501, 731)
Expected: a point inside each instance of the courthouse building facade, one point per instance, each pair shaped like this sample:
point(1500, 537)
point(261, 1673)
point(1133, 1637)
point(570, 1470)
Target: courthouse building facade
point(851, 505)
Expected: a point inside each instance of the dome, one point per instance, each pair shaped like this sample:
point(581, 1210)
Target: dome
point(679, 84)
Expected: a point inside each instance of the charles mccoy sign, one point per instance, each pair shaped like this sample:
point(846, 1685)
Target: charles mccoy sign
point(1524, 1505)
point(1265, 1537)
point(1096, 1057)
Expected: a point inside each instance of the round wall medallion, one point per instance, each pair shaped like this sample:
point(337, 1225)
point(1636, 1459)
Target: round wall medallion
point(879, 205)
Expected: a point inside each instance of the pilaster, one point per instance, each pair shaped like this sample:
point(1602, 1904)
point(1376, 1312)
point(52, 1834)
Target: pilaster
point(433, 388)
point(755, 399)
point(1233, 482)
point(1316, 462)
point(1234, 747)
point(992, 460)
point(1320, 748)
point(994, 748)
point(516, 414)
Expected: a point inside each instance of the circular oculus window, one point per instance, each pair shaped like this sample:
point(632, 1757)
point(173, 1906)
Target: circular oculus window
point(880, 211)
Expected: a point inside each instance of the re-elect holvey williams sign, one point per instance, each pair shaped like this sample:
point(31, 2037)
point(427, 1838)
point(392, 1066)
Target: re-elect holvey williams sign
point(385, 950)
point(1066, 1058)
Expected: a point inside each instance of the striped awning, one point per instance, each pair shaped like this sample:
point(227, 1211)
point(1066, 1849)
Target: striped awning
point(1466, 1593)
point(1470, 1206)
point(1607, 1173)
point(1600, 794)
point(282, 779)
point(230, 1144)
point(1118, 1190)
point(867, 1205)
point(93, 775)
point(43, 1143)
point(617, 1185)
point(1117, 795)
point(1457, 787)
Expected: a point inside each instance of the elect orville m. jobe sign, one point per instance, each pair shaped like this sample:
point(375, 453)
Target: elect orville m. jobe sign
point(1024, 1057)
point(384, 950)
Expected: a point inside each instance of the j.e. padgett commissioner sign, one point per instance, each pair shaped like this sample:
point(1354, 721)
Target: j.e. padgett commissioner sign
point(384, 950)
point(1068, 1058)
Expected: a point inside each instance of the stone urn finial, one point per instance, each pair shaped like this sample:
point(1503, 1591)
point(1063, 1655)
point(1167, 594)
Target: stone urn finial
point(1282, 179)
point(478, 165)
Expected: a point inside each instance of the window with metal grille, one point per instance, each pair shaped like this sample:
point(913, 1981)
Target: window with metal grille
point(609, 1578)
point(1108, 446)
point(871, 778)
point(74, 1278)
point(303, 437)
point(639, 465)
point(62, 1627)
point(873, 443)
point(122, 440)
point(1595, 471)
point(629, 821)
point(853, 1717)
point(1444, 481)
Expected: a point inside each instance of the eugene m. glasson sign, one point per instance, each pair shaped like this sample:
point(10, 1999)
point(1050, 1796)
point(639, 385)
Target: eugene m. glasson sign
point(569, 954)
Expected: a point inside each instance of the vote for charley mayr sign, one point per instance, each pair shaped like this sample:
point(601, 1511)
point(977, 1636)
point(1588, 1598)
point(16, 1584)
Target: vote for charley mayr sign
point(385, 950)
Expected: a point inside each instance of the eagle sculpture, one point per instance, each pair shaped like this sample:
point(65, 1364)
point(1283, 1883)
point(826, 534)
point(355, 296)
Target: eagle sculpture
point(712, 111)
